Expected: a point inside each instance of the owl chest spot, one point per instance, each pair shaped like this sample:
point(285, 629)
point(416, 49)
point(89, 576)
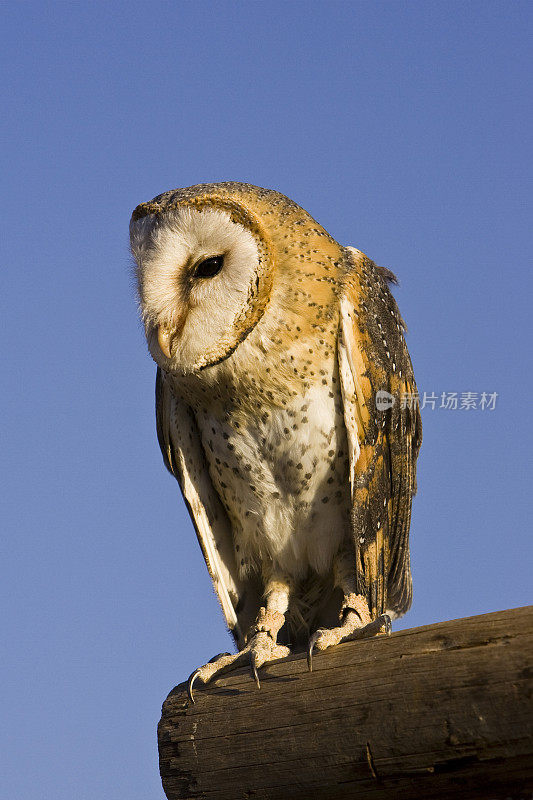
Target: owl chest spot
point(282, 476)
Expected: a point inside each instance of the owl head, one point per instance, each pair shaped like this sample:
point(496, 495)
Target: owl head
point(212, 259)
point(204, 272)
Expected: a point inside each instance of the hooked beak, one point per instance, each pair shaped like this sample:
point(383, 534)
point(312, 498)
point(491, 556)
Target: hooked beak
point(165, 336)
point(163, 339)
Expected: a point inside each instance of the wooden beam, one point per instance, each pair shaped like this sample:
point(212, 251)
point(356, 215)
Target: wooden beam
point(434, 712)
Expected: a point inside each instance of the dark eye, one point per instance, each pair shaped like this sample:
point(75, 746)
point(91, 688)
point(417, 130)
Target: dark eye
point(209, 268)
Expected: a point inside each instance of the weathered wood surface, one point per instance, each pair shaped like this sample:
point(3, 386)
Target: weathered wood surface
point(434, 712)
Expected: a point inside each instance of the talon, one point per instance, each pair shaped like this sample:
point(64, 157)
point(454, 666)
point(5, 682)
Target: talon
point(215, 658)
point(312, 642)
point(190, 684)
point(377, 624)
point(255, 676)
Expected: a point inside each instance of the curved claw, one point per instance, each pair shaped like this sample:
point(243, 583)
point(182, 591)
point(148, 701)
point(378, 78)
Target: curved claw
point(374, 627)
point(387, 623)
point(215, 658)
point(253, 667)
point(190, 684)
point(312, 642)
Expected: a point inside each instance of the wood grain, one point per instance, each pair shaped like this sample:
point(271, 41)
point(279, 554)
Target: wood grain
point(434, 712)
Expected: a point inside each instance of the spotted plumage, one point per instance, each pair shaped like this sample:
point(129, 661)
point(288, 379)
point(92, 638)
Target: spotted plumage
point(272, 342)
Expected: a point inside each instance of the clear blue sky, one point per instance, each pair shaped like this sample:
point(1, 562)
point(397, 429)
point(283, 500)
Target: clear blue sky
point(403, 128)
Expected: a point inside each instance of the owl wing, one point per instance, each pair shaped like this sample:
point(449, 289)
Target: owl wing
point(183, 454)
point(374, 364)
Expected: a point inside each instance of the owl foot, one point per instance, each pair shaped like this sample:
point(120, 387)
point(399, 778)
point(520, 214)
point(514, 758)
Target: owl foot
point(261, 648)
point(356, 623)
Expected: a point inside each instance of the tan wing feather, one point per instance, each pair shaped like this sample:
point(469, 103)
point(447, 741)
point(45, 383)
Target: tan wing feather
point(383, 444)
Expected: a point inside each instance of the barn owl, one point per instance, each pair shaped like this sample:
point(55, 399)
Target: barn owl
point(282, 373)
